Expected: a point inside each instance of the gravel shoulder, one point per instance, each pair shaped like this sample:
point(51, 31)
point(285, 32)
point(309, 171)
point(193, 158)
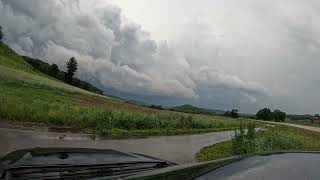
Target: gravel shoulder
point(315, 129)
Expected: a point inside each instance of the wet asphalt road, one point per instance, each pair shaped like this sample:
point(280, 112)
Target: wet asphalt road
point(179, 149)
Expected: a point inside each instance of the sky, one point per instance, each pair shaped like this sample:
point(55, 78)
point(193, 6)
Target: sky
point(216, 54)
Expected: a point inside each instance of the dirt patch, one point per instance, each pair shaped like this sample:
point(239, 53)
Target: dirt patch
point(91, 101)
point(23, 125)
point(41, 127)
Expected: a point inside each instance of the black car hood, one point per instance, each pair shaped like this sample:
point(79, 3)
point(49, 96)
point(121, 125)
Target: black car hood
point(70, 156)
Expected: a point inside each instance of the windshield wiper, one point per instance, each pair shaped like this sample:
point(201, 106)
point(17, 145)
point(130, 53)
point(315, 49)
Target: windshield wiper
point(79, 171)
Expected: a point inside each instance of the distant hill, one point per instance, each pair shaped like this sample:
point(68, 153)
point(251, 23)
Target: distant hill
point(187, 108)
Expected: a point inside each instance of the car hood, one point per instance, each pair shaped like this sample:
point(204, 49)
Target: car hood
point(71, 156)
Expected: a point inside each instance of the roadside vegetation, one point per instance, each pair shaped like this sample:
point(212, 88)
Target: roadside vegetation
point(29, 95)
point(272, 139)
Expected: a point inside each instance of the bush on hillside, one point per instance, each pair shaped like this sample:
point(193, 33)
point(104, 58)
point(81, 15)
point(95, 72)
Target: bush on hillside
point(1, 34)
point(53, 71)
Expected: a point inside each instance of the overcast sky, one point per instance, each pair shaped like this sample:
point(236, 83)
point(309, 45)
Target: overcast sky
point(227, 54)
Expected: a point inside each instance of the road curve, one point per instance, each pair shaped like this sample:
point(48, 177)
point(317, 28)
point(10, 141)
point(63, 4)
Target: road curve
point(179, 149)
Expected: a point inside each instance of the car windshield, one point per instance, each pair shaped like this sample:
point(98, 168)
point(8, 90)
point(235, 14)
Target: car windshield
point(158, 89)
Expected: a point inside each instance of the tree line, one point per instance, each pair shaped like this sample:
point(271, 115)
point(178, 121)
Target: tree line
point(263, 114)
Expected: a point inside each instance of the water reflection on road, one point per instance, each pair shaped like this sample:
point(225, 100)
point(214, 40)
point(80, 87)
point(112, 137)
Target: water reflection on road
point(179, 149)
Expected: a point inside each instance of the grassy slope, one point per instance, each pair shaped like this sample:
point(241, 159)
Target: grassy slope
point(28, 95)
point(274, 139)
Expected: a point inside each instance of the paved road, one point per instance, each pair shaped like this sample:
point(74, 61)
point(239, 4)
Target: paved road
point(179, 149)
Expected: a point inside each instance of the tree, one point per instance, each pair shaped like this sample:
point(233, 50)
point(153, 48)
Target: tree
point(234, 113)
point(227, 114)
point(1, 33)
point(316, 117)
point(54, 70)
point(72, 67)
point(279, 115)
point(264, 114)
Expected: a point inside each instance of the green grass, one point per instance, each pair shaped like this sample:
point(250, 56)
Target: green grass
point(273, 139)
point(216, 151)
point(30, 96)
point(11, 59)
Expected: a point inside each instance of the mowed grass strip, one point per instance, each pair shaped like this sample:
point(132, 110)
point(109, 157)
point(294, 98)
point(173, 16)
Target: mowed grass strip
point(273, 139)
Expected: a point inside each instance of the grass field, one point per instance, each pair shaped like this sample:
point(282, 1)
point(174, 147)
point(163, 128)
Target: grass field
point(30, 96)
point(273, 139)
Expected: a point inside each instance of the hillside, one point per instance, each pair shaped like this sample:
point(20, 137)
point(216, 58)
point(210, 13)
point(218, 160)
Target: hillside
point(28, 95)
point(45, 68)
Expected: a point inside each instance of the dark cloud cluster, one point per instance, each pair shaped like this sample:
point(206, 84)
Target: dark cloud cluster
point(114, 52)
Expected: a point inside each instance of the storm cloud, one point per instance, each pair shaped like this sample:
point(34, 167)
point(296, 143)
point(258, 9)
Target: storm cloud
point(116, 53)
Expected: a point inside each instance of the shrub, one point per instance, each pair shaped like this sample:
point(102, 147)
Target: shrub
point(53, 71)
point(233, 113)
point(1, 34)
point(244, 142)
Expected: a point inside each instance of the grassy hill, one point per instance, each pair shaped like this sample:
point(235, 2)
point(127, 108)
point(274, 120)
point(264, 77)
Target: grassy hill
point(45, 68)
point(28, 95)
